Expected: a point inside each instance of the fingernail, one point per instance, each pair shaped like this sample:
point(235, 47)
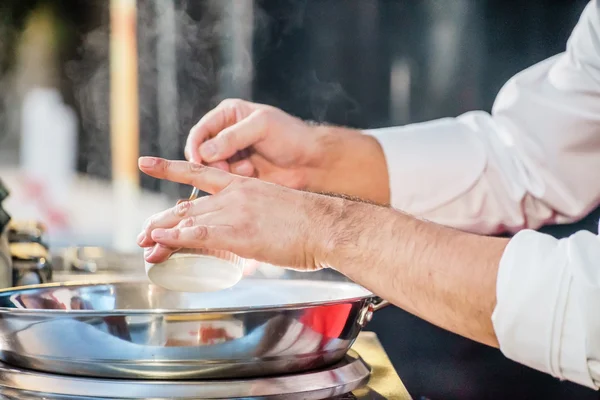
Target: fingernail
point(141, 237)
point(148, 162)
point(208, 150)
point(159, 234)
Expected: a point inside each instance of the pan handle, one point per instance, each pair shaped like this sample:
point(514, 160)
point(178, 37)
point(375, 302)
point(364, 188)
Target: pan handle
point(366, 314)
point(378, 303)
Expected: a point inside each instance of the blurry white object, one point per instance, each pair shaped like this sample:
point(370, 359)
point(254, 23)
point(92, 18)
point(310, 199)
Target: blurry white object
point(235, 79)
point(166, 84)
point(48, 146)
point(124, 121)
point(197, 271)
point(90, 210)
point(529, 163)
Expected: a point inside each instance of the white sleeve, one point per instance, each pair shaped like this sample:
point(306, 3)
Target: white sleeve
point(548, 301)
point(531, 162)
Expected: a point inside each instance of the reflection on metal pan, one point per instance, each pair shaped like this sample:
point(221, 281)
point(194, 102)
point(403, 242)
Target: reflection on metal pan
point(137, 330)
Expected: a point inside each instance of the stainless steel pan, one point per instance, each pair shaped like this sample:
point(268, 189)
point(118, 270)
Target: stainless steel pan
point(137, 330)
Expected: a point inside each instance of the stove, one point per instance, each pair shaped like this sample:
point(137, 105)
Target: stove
point(365, 374)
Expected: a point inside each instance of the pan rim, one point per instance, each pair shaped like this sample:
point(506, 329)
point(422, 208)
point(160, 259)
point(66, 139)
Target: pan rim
point(165, 311)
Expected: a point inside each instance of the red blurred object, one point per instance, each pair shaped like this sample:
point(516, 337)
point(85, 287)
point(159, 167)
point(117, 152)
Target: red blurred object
point(329, 321)
point(209, 335)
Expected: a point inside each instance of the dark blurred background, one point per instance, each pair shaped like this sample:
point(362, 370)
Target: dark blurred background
point(362, 63)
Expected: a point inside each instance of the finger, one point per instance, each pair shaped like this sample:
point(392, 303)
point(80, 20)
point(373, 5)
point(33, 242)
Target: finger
point(159, 253)
point(222, 165)
point(173, 216)
point(241, 155)
point(224, 115)
point(218, 237)
point(210, 125)
point(259, 162)
point(243, 168)
point(207, 179)
point(237, 137)
point(144, 240)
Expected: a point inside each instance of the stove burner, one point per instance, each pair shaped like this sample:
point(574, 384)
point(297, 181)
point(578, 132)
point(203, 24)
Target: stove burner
point(339, 380)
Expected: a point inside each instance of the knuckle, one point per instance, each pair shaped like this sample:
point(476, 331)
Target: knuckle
point(182, 208)
point(200, 232)
point(164, 166)
point(194, 168)
point(228, 138)
point(263, 115)
point(231, 102)
point(233, 109)
point(150, 223)
point(188, 222)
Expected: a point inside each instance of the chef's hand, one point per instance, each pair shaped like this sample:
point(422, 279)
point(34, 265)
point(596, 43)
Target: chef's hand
point(256, 140)
point(251, 218)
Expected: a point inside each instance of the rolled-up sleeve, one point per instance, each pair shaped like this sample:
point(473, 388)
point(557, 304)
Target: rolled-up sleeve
point(548, 302)
point(526, 164)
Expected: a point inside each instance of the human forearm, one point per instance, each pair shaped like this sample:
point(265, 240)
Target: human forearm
point(441, 275)
point(349, 163)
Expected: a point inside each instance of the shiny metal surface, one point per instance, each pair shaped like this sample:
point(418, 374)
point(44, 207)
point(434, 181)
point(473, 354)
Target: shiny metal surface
point(92, 260)
point(96, 264)
point(6, 270)
point(137, 330)
point(27, 231)
point(32, 264)
point(349, 374)
point(31, 260)
point(195, 193)
point(5, 257)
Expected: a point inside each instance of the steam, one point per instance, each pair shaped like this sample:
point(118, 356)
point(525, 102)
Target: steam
point(211, 63)
point(90, 76)
point(199, 31)
point(323, 95)
point(291, 19)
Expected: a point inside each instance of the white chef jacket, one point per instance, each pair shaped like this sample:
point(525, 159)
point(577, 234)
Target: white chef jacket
point(535, 160)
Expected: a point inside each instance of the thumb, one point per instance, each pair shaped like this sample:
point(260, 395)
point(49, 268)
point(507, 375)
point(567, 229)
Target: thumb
point(237, 137)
